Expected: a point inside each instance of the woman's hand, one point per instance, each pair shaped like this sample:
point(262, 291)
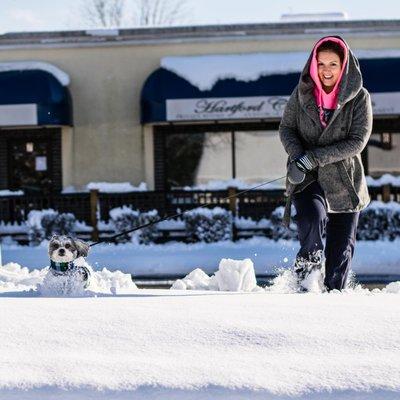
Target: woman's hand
point(304, 163)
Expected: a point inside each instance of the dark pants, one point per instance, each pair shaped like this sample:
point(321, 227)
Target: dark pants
point(312, 219)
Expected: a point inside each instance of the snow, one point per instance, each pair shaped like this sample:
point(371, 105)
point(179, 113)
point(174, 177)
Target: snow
point(206, 70)
point(15, 278)
point(179, 259)
point(117, 187)
point(107, 187)
point(236, 183)
point(385, 179)
point(35, 217)
point(12, 227)
point(159, 344)
point(207, 212)
point(232, 276)
point(11, 193)
point(60, 75)
point(393, 287)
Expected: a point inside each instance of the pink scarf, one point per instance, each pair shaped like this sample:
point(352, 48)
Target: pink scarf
point(323, 99)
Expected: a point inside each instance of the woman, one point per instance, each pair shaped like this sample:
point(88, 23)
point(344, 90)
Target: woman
point(326, 124)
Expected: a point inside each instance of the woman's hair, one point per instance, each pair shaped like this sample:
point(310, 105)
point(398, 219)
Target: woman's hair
point(336, 48)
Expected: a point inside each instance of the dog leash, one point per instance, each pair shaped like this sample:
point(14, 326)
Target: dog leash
point(112, 238)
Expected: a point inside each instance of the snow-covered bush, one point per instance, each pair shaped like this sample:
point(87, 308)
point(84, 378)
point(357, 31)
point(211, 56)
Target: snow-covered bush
point(379, 221)
point(277, 230)
point(125, 219)
point(42, 224)
point(208, 225)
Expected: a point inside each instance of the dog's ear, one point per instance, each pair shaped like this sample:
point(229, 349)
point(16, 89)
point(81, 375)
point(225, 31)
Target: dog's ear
point(82, 247)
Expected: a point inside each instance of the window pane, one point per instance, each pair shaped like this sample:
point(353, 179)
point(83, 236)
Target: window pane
point(384, 161)
point(196, 158)
point(259, 156)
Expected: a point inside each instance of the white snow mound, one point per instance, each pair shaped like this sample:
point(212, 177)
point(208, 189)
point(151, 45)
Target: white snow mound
point(232, 276)
point(393, 287)
point(14, 278)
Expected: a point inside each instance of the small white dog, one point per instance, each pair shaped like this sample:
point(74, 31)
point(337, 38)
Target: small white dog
point(63, 251)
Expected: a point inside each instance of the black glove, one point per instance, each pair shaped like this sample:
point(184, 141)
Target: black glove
point(295, 174)
point(304, 163)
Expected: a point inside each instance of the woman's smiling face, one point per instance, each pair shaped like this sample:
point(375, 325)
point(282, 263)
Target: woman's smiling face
point(329, 67)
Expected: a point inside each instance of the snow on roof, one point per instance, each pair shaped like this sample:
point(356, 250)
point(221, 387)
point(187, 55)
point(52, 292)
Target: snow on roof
point(205, 71)
point(60, 75)
point(306, 17)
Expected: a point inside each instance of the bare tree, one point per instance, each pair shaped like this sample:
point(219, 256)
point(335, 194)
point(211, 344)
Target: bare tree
point(104, 13)
point(159, 12)
point(114, 13)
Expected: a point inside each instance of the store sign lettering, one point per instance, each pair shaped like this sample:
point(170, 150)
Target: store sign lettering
point(226, 108)
point(257, 107)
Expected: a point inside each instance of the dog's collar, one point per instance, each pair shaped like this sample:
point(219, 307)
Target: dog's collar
point(61, 266)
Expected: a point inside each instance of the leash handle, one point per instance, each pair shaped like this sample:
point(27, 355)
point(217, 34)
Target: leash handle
point(182, 213)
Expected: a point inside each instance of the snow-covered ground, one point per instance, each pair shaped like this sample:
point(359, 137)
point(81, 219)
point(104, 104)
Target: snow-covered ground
point(160, 344)
point(234, 340)
point(268, 256)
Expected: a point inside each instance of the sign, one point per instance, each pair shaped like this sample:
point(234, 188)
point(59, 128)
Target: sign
point(226, 108)
point(262, 107)
point(18, 114)
point(40, 163)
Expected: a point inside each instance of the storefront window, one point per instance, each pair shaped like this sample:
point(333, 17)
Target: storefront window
point(259, 156)
point(197, 158)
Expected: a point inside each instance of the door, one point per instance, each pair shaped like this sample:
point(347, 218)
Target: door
point(30, 165)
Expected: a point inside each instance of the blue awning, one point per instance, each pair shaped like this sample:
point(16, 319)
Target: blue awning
point(33, 97)
point(164, 85)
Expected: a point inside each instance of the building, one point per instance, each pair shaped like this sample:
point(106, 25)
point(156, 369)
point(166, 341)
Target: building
point(173, 106)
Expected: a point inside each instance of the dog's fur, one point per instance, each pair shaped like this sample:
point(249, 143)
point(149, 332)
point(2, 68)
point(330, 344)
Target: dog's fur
point(67, 249)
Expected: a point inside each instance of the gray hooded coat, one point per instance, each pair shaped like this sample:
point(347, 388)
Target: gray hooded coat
point(335, 150)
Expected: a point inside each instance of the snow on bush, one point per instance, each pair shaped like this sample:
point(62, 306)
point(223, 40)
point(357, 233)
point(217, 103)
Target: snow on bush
point(208, 225)
point(385, 179)
point(278, 230)
point(42, 224)
point(379, 221)
point(232, 276)
point(125, 219)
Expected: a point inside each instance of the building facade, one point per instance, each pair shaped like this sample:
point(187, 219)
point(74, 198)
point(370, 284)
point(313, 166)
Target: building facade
point(173, 107)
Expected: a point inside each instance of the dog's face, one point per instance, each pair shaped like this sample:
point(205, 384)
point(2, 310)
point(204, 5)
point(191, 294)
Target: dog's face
point(66, 249)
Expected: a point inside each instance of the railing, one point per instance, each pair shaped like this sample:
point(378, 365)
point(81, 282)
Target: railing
point(94, 206)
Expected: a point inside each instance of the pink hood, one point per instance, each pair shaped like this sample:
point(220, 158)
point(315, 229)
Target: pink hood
point(323, 99)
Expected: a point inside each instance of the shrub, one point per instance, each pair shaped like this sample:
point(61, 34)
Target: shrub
point(208, 225)
point(379, 221)
point(43, 224)
point(125, 219)
point(277, 230)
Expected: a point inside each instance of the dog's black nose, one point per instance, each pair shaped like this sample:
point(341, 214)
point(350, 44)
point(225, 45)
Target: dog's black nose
point(61, 252)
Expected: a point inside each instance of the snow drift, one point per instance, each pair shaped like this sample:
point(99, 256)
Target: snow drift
point(232, 276)
point(14, 278)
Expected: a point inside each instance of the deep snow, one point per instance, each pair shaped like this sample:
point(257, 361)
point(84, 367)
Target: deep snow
point(114, 341)
point(160, 344)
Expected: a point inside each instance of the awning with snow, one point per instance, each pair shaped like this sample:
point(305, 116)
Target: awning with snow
point(250, 86)
point(34, 94)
